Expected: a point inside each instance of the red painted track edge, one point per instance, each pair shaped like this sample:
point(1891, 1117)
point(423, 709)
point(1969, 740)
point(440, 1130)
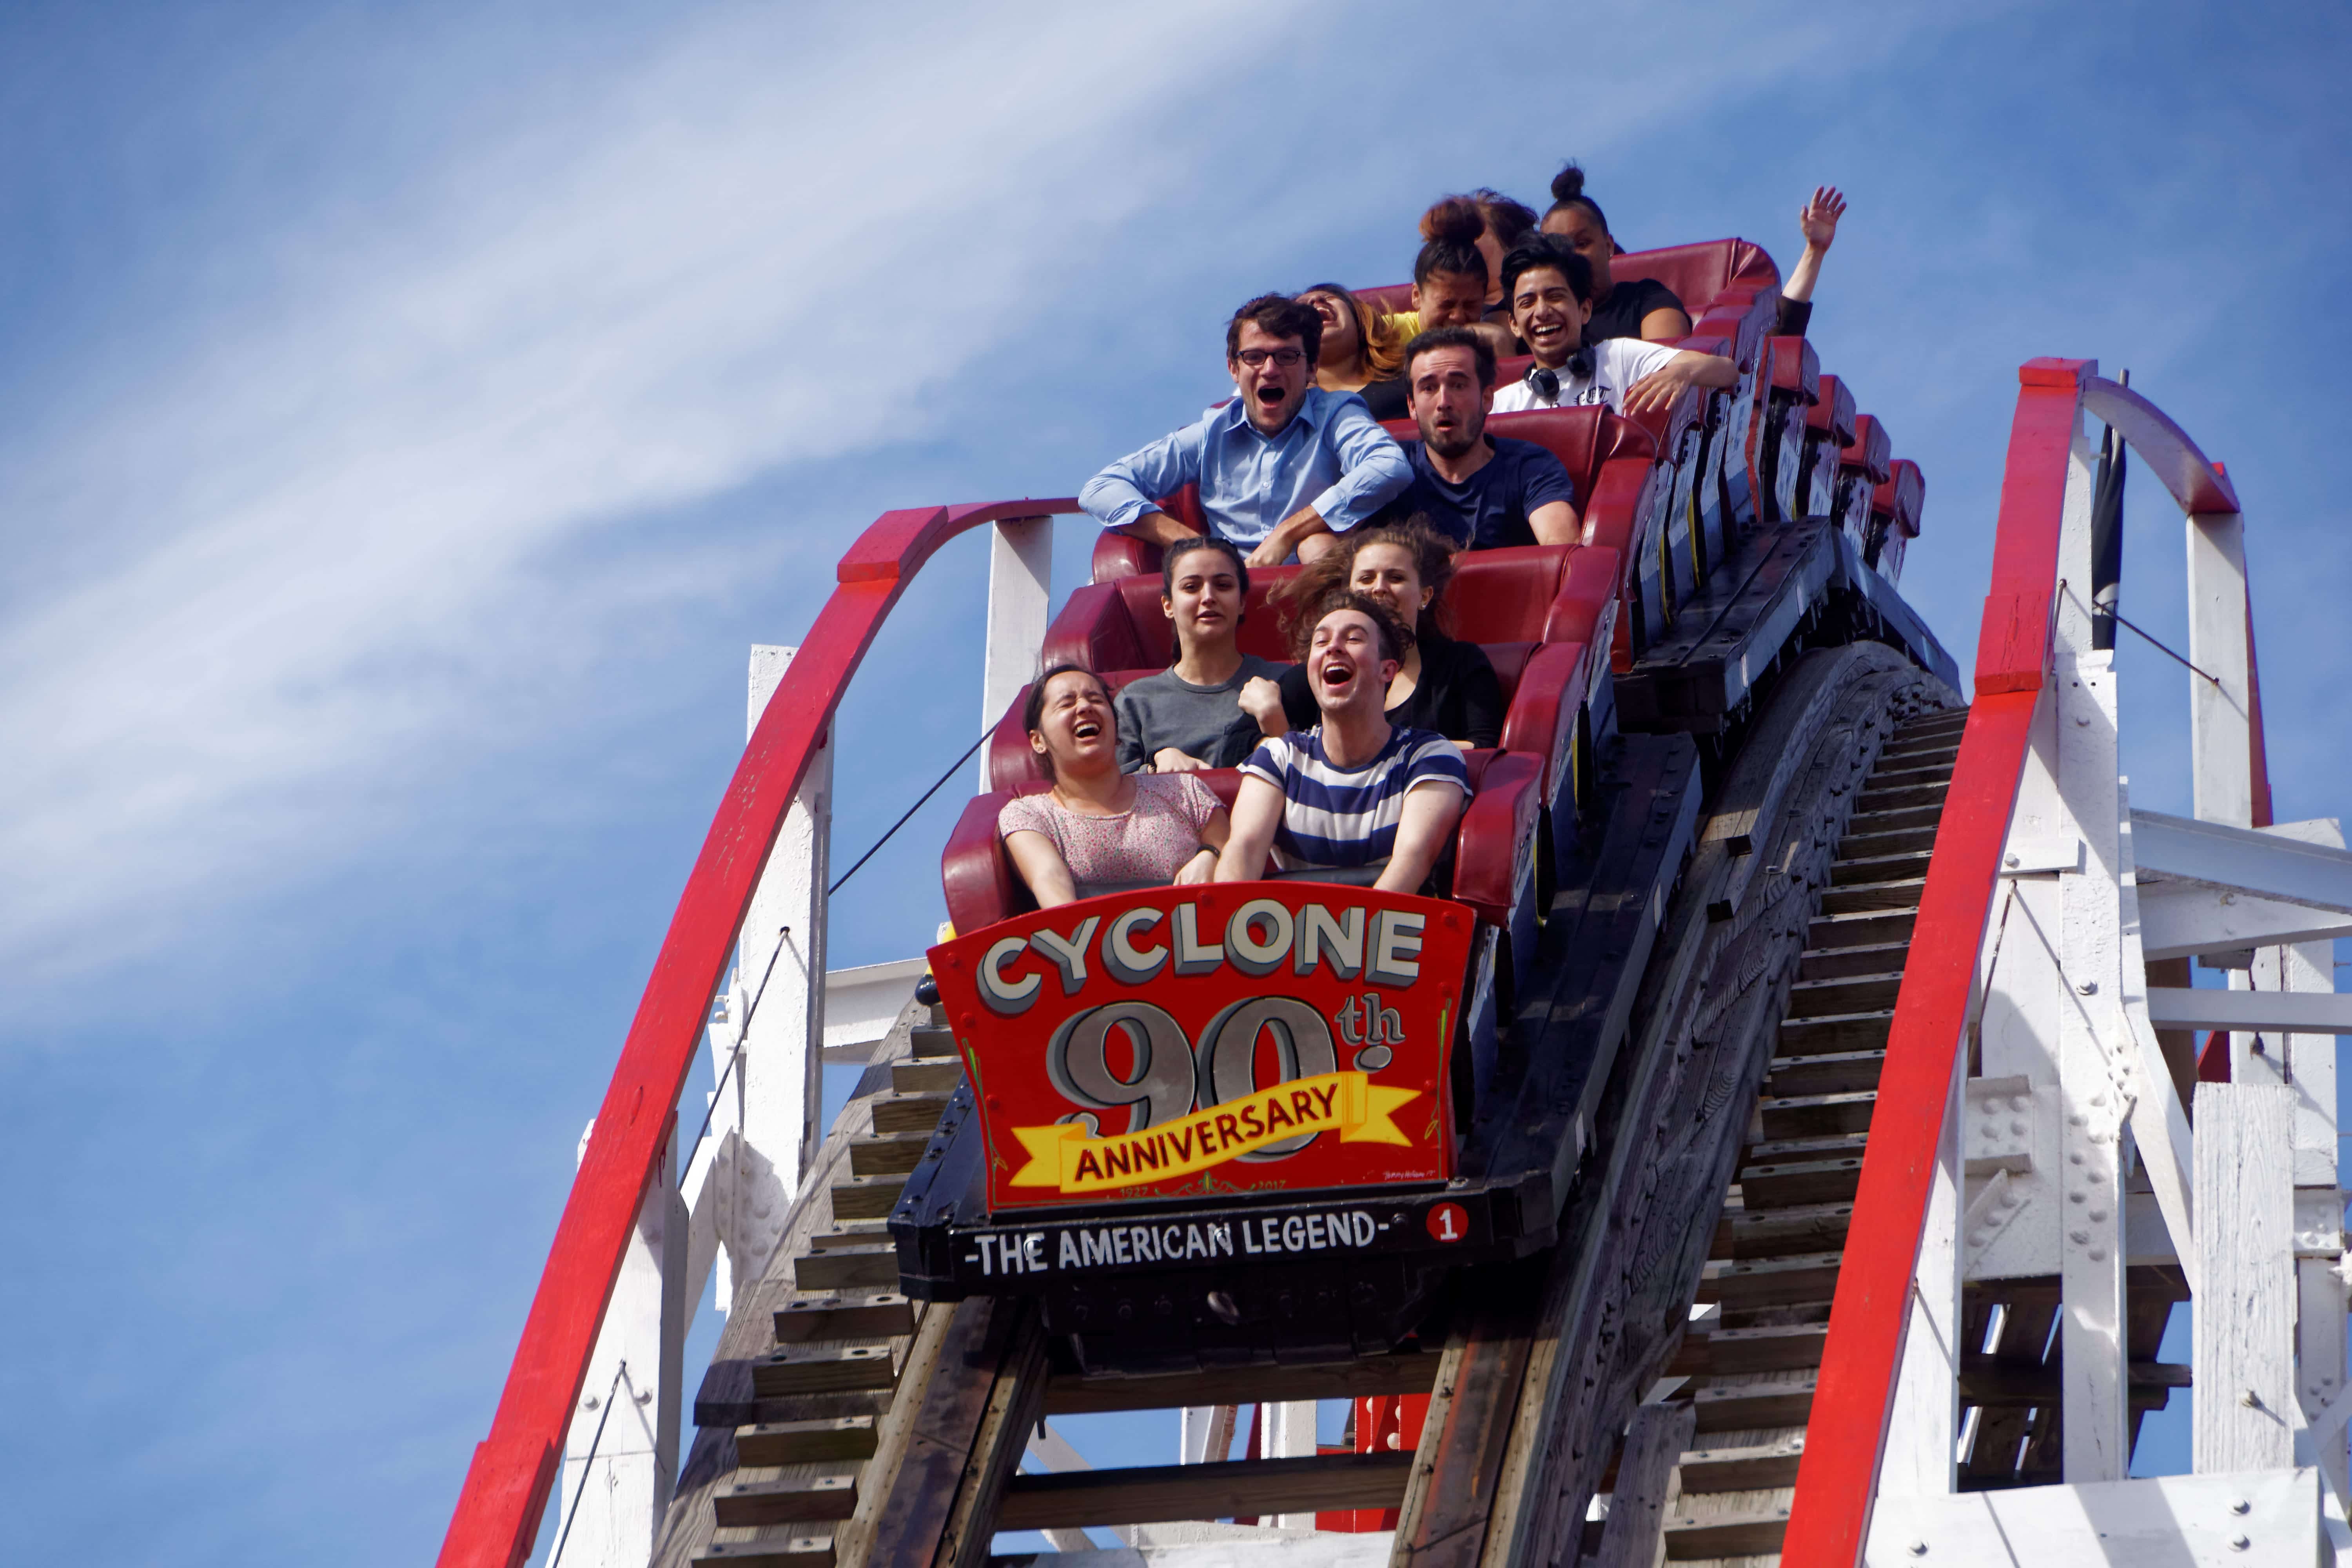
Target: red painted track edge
point(495, 1523)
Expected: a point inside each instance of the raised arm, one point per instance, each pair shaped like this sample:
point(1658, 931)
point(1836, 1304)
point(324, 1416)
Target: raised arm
point(1431, 810)
point(1257, 812)
point(1817, 220)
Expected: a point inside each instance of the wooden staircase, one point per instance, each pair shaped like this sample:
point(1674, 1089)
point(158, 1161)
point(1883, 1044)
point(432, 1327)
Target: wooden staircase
point(1721, 1451)
point(809, 1366)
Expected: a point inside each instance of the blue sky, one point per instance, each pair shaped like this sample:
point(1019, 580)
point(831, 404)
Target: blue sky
point(409, 414)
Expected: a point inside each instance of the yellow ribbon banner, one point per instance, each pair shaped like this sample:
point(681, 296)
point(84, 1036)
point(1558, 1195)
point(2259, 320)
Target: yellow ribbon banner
point(1348, 1103)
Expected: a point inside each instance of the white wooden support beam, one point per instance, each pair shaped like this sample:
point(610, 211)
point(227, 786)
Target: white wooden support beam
point(1019, 588)
point(2264, 864)
point(2183, 920)
point(2244, 1327)
point(621, 1442)
point(776, 1086)
point(863, 1004)
point(2159, 1122)
point(1290, 1433)
point(2270, 1012)
point(2097, 1435)
point(2220, 727)
point(1921, 1456)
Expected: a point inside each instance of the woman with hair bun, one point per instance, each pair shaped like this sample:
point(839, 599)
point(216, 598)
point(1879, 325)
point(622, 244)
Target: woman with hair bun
point(1456, 279)
point(1360, 352)
point(1636, 308)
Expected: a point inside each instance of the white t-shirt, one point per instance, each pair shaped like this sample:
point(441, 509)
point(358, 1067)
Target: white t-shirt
point(1617, 364)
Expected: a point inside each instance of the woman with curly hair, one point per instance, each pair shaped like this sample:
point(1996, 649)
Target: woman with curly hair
point(1441, 684)
point(1360, 352)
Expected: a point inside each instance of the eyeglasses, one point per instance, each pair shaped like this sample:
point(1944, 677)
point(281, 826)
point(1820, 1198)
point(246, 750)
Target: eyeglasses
point(1285, 358)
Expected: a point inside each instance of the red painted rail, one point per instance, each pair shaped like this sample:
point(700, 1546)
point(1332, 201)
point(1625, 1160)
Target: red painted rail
point(497, 1514)
point(1837, 1479)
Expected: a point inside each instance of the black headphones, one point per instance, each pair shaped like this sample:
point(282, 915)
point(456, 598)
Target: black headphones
point(1546, 382)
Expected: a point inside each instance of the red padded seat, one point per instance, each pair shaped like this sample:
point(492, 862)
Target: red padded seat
point(1497, 595)
point(1870, 450)
point(1895, 507)
point(1901, 499)
point(1013, 765)
point(1832, 414)
point(1699, 274)
point(983, 888)
point(1796, 368)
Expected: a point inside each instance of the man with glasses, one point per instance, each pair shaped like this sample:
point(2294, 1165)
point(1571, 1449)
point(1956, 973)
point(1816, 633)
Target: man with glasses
point(1281, 468)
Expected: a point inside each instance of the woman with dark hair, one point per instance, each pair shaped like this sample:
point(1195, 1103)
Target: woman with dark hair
point(1097, 830)
point(1636, 308)
point(1441, 684)
point(1360, 352)
point(1189, 715)
point(1453, 277)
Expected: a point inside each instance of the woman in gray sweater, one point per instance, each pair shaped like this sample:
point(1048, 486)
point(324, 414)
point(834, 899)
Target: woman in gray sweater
point(1190, 716)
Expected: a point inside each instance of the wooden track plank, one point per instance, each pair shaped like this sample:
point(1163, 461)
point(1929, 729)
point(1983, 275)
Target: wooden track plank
point(1644, 1479)
point(1756, 1467)
point(1726, 1535)
point(894, 1154)
point(819, 1441)
point(1161, 1493)
point(800, 1499)
point(1741, 1236)
point(879, 1314)
point(783, 1551)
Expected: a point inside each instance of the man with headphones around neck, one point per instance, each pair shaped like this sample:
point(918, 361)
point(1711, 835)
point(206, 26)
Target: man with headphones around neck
point(1551, 291)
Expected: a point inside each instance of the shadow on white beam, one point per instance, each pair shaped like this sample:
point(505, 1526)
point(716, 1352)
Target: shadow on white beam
point(2165, 1521)
point(2250, 1011)
point(862, 1004)
point(2267, 865)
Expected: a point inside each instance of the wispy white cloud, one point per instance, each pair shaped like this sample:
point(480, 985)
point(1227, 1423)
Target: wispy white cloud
point(655, 290)
point(305, 548)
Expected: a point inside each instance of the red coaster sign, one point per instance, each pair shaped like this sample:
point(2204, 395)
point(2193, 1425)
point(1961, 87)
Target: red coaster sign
point(1245, 1038)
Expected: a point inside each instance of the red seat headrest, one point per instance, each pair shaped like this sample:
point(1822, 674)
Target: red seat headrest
point(1902, 497)
point(1833, 415)
point(1795, 368)
point(1582, 438)
point(1699, 273)
point(1870, 449)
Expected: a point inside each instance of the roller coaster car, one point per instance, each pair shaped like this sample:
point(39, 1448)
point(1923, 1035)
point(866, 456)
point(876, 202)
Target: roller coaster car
point(1264, 1120)
point(1219, 1122)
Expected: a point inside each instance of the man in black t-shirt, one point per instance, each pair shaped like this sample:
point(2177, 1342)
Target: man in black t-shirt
point(1484, 491)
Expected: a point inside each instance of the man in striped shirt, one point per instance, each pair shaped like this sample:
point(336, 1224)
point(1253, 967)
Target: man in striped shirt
point(1355, 792)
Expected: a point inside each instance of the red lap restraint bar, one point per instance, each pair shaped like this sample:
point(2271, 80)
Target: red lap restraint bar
point(497, 1520)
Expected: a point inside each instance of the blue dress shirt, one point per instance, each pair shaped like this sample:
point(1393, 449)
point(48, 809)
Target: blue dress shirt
point(1333, 455)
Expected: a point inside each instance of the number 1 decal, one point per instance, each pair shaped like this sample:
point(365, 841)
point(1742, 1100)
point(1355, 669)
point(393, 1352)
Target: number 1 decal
point(1449, 1222)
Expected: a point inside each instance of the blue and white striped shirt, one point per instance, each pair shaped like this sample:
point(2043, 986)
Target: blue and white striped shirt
point(1334, 816)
